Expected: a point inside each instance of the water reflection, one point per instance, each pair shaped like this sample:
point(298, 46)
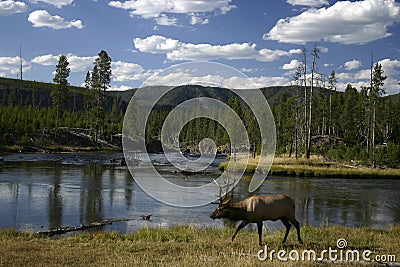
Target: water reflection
point(41, 195)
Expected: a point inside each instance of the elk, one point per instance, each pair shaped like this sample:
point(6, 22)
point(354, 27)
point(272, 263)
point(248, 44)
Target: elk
point(256, 209)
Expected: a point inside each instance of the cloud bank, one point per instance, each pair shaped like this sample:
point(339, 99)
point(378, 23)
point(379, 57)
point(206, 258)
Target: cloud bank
point(10, 7)
point(344, 22)
point(56, 3)
point(158, 9)
point(176, 50)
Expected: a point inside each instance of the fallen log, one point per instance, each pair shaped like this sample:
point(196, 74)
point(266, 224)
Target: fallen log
point(67, 229)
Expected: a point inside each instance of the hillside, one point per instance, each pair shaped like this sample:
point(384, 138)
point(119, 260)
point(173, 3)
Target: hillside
point(37, 94)
point(14, 92)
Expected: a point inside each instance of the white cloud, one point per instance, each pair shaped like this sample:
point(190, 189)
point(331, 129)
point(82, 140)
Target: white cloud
point(353, 64)
point(125, 71)
point(46, 60)
point(56, 3)
point(196, 19)
point(156, 44)
point(159, 8)
point(42, 18)
point(121, 71)
point(313, 3)
point(272, 55)
point(344, 22)
point(76, 63)
point(255, 82)
point(356, 76)
point(166, 21)
point(10, 7)
point(362, 77)
point(10, 66)
point(175, 79)
point(390, 66)
point(178, 51)
point(291, 66)
point(189, 51)
point(392, 71)
point(119, 88)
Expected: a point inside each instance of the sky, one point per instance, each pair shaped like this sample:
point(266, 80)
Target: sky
point(263, 39)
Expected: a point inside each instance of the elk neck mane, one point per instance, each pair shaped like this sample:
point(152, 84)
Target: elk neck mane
point(238, 210)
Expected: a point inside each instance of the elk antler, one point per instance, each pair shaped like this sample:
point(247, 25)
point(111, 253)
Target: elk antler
point(222, 196)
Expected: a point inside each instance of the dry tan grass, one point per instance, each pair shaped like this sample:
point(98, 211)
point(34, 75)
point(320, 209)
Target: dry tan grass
point(316, 166)
point(184, 246)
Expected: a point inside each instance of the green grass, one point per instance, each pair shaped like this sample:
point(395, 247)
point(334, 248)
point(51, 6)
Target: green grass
point(317, 167)
point(184, 246)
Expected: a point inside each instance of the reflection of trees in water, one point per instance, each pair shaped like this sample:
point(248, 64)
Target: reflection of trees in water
point(100, 186)
point(91, 199)
point(55, 205)
point(129, 193)
point(120, 178)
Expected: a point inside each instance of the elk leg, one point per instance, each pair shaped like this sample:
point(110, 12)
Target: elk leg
point(288, 225)
point(297, 225)
point(259, 228)
point(241, 225)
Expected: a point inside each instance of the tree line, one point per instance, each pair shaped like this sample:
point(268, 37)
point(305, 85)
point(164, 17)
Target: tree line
point(354, 125)
point(313, 117)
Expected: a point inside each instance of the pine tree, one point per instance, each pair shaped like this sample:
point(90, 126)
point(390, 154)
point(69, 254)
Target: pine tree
point(376, 91)
point(332, 87)
point(102, 73)
point(309, 132)
point(97, 107)
point(349, 115)
point(88, 99)
point(58, 95)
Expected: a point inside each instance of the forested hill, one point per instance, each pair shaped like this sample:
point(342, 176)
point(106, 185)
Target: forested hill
point(37, 94)
point(14, 92)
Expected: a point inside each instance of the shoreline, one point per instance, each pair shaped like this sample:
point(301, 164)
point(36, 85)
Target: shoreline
point(318, 168)
point(281, 166)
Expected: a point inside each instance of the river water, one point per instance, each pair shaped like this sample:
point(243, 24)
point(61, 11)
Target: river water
point(46, 191)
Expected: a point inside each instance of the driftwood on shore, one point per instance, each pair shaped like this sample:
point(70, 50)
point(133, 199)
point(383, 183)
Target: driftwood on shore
point(67, 229)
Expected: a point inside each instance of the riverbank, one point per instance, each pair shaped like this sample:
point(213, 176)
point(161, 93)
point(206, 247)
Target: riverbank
point(188, 246)
point(66, 140)
point(56, 149)
point(318, 167)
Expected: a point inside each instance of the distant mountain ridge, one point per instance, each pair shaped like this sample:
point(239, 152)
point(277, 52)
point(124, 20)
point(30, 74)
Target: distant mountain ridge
point(24, 93)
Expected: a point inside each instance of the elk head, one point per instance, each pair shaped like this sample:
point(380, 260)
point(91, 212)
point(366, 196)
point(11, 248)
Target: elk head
point(222, 210)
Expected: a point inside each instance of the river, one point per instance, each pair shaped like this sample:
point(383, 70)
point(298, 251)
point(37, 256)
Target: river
point(46, 191)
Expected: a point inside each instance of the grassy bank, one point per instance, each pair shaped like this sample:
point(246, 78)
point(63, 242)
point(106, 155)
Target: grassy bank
point(184, 246)
point(317, 167)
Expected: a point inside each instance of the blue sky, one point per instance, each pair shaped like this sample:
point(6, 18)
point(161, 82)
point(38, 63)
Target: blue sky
point(261, 38)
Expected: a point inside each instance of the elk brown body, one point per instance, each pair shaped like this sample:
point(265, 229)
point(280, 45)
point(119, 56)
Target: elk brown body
point(256, 209)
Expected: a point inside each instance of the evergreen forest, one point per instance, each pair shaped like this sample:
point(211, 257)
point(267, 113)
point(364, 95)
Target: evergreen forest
point(358, 124)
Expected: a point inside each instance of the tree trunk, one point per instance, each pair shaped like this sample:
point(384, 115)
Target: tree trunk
point(308, 148)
